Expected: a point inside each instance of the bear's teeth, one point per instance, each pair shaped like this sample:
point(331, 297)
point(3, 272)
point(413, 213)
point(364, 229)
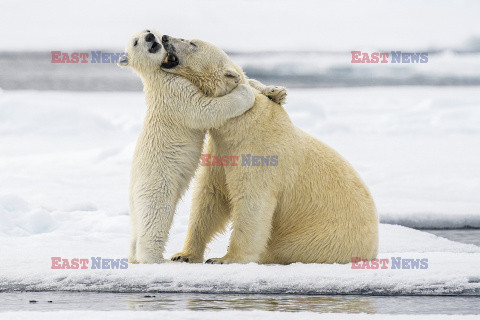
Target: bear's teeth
point(166, 59)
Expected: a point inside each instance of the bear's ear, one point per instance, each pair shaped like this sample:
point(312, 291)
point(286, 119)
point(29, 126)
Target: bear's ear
point(123, 61)
point(232, 75)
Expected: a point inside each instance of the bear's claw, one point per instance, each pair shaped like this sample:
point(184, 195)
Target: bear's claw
point(214, 261)
point(180, 258)
point(189, 258)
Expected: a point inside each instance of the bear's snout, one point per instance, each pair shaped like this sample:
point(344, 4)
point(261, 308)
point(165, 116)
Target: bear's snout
point(165, 39)
point(149, 37)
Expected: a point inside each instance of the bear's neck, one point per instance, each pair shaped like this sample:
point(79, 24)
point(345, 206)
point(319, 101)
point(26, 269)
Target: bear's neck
point(155, 82)
point(158, 88)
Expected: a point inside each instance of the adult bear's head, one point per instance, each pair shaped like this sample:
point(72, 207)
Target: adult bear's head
point(204, 64)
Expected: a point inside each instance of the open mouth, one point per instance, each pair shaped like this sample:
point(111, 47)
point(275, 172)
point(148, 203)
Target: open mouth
point(170, 61)
point(155, 47)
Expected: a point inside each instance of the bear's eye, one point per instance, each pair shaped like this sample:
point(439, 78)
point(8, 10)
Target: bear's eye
point(193, 43)
point(135, 43)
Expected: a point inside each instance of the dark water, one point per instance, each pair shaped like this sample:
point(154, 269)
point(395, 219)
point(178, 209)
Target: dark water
point(217, 302)
point(34, 71)
point(471, 236)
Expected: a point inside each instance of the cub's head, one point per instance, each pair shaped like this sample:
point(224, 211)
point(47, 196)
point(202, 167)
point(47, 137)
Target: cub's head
point(145, 53)
point(204, 64)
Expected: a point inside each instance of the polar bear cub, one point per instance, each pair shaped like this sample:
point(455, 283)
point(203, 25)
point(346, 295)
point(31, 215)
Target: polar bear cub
point(169, 146)
point(309, 205)
point(170, 143)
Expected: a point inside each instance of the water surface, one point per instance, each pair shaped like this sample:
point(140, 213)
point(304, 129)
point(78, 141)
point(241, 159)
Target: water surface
point(39, 301)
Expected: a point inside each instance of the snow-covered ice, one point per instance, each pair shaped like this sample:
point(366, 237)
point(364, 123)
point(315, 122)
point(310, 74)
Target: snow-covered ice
point(26, 265)
point(417, 148)
point(65, 160)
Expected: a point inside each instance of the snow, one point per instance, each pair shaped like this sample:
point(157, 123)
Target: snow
point(213, 315)
point(416, 148)
point(26, 265)
point(65, 164)
point(267, 25)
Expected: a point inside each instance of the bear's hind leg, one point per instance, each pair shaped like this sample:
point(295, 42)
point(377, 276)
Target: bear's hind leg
point(252, 223)
point(209, 214)
point(132, 255)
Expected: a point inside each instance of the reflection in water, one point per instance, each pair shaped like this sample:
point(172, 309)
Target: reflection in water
point(242, 302)
point(282, 303)
point(320, 304)
point(107, 301)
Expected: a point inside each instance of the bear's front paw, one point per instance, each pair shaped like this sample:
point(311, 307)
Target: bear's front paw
point(277, 94)
point(151, 260)
point(148, 256)
point(223, 260)
point(215, 261)
point(132, 260)
point(180, 257)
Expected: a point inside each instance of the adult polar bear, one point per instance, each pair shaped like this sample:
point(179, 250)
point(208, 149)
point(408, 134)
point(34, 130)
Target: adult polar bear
point(168, 149)
point(312, 207)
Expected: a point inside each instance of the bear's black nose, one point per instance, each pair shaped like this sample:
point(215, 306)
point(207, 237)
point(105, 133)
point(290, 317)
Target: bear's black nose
point(150, 37)
point(165, 38)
